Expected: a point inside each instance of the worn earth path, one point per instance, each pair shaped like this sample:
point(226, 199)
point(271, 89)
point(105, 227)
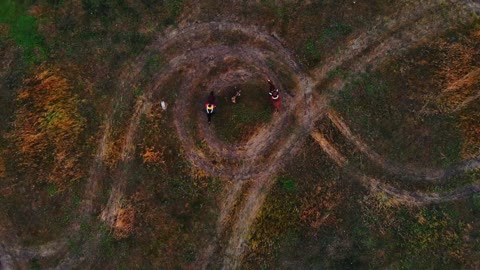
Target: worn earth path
point(368, 49)
point(192, 52)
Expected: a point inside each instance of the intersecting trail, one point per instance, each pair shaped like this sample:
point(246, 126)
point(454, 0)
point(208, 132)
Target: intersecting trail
point(397, 195)
point(109, 213)
point(405, 171)
point(191, 53)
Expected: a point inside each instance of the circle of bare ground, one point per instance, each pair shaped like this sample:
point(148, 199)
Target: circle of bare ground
point(256, 56)
point(222, 85)
point(235, 122)
point(215, 147)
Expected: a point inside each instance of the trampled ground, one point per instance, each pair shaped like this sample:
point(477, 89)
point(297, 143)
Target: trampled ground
point(372, 161)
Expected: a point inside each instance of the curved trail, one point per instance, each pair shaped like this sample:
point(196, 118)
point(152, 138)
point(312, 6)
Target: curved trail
point(14, 254)
point(249, 152)
point(368, 56)
point(109, 213)
point(329, 149)
point(410, 171)
point(398, 195)
point(193, 51)
point(408, 27)
point(365, 55)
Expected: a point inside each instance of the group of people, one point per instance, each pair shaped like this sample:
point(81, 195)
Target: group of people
point(273, 92)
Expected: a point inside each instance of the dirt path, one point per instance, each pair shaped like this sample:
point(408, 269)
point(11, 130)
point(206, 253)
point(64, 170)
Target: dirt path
point(467, 101)
point(17, 254)
point(364, 55)
point(413, 173)
point(7, 56)
point(396, 195)
point(251, 151)
point(328, 148)
point(460, 93)
point(97, 170)
point(110, 212)
point(409, 26)
point(410, 171)
point(13, 254)
point(367, 49)
point(195, 50)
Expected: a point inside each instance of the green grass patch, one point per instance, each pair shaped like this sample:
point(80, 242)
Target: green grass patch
point(23, 30)
point(384, 115)
point(277, 219)
point(107, 241)
point(8, 11)
point(52, 190)
point(338, 72)
point(281, 12)
point(335, 31)
point(476, 202)
point(282, 233)
point(34, 265)
point(286, 184)
point(174, 8)
point(428, 237)
point(312, 53)
point(74, 246)
point(235, 122)
point(153, 65)
point(312, 50)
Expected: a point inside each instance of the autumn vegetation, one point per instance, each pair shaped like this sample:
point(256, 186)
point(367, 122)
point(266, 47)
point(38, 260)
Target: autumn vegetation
point(47, 129)
point(60, 94)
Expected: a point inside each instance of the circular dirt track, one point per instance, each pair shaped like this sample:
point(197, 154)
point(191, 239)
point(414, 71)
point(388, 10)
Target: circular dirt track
point(215, 56)
point(215, 44)
point(219, 56)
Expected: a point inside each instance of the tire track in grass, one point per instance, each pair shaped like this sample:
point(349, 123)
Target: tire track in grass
point(188, 49)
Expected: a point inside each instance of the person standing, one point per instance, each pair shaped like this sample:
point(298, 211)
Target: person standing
point(210, 106)
point(274, 94)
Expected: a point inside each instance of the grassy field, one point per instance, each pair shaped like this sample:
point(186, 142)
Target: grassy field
point(77, 70)
point(235, 122)
point(323, 220)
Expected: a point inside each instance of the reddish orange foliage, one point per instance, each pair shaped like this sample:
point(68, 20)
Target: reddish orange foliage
point(152, 156)
point(47, 128)
point(457, 72)
point(125, 222)
point(459, 77)
point(318, 211)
